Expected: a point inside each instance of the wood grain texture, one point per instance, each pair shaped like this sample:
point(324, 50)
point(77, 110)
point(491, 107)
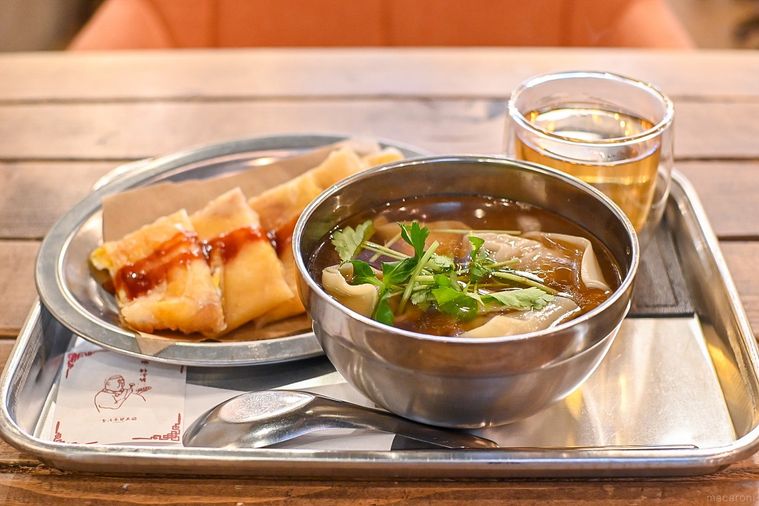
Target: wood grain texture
point(17, 290)
point(97, 131)
point(40, 486)
point(266, 73)
point(728, 191)
point(741, 258)
point(34, 195)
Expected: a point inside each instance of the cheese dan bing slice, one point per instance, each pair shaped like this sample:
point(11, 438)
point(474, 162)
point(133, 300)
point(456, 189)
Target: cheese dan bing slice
point(344, 162)
point(338, 165)
point(292, 306)
point(381, 157)
point(161, 278)
point(241, 258)
point(279, 209)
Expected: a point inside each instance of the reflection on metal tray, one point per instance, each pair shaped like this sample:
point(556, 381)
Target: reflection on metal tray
point(678, 394)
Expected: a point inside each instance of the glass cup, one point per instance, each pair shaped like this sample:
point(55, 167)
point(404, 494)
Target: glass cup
point(609, 130)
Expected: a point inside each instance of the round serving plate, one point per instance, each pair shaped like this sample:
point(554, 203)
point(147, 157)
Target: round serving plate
point(68, 290)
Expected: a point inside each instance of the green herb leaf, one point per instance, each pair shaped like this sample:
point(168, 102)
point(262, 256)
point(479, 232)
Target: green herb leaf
point(477, 243)
point(420, 263)
point(395, 273)
point(455, 303)
point(520, 299)
point(383, 313)
point(416, 236)
point(440, 263)
point(363, 273)
point(421, 298)
point(479, 263)
point(442, 281)
point(348, 241)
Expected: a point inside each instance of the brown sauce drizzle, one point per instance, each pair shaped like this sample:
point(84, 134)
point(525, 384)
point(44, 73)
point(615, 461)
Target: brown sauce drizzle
point(138, 278)
point(142, 276)
point(229, 245)
point(282, 237)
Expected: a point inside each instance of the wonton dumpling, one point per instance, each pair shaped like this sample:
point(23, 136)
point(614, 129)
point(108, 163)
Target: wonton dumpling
point(590, 269)
point(181, 294)
point(360, 298)
point(252, 280)
point(523, 322)
point(531, 252)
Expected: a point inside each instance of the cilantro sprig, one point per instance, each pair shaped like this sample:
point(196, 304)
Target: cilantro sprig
point(429, 280)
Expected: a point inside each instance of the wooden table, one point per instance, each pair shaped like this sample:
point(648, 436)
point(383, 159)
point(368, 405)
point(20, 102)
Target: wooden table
point(67, 119)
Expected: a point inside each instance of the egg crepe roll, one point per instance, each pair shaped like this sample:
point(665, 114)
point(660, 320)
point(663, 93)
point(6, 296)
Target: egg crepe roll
point(381, 157)
point(161, 278)
point(279, 209)
point(338, 165)
point(241, 258)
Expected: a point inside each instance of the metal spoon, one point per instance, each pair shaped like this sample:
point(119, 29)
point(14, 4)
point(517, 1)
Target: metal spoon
point(259, 419)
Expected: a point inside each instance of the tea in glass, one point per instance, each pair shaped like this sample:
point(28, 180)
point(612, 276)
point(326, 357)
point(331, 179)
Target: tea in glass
point(610, 131)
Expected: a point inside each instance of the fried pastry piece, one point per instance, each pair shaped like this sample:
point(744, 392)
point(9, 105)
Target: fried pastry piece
point(382, 157)
point(241, 258)
point(279, 209)
point(338, 165)
point(161, 278)
point(280, 206)
point(292, 306)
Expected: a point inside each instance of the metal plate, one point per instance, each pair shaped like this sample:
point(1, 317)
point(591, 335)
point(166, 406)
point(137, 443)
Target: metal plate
point(675, 396)
point(68, 290)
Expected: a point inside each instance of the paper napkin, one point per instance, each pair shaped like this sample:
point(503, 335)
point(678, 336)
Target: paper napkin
point(106, 398)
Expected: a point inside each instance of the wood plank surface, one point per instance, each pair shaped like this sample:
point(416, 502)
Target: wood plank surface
point(728, 191)
point(17, 290)
point(63, 490)
point(34, 195)
point(431, 72)
point(108, 131)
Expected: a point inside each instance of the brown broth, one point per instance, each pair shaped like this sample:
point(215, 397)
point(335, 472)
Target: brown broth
point(478, 213)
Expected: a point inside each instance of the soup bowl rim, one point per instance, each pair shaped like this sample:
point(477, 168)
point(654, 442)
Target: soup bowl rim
point(624, 286)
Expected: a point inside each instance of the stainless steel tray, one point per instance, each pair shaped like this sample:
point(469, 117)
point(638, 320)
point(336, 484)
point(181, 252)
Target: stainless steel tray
point(676, 395)
point(68, 290)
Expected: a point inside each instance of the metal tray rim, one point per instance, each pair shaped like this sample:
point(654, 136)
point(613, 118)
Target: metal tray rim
point(416, 463)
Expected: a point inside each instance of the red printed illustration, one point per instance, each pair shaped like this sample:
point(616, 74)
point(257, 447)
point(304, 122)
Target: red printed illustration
point(115, 393)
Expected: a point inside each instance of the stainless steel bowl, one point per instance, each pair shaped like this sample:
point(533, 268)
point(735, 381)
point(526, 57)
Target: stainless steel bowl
point(455, 381)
